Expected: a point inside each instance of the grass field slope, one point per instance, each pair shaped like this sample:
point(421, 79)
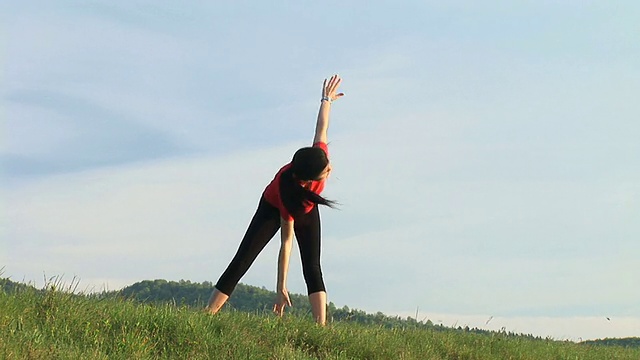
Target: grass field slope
point(57, 324)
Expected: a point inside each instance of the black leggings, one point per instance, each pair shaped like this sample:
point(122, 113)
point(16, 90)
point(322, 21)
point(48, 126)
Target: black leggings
point(263, 227)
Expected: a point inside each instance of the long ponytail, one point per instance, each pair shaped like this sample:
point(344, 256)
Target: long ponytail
point(294, 196)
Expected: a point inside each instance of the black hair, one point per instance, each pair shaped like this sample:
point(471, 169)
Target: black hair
point(307, 164)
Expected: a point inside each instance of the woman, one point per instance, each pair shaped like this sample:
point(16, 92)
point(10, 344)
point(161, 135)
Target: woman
point(290, 203)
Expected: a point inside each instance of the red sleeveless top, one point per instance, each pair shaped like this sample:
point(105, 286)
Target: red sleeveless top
point(272, 191)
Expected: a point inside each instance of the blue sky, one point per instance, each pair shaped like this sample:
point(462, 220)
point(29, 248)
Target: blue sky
point(485, 154)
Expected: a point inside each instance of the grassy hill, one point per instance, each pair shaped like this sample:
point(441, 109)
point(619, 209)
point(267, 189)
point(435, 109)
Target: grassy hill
point(249, 298)
point(54, 324)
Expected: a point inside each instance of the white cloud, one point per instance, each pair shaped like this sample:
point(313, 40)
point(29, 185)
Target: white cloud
point(149, 215)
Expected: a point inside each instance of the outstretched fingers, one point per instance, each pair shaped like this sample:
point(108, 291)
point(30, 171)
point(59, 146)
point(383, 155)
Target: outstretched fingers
point(278, 309)
point(334, 82)
point(331, 86)
point(282, 300)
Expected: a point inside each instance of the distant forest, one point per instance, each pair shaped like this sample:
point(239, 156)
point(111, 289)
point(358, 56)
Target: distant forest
point(625, 342)
point(254, 299)
point(250, 299)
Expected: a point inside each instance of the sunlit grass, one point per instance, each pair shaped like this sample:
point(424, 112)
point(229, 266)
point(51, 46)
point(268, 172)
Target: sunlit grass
point(58, 324)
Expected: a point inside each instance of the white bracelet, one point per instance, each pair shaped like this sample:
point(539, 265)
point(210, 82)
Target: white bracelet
point(325, 98)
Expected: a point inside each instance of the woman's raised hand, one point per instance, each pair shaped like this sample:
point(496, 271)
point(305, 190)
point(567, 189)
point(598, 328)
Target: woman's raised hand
point(330, 88)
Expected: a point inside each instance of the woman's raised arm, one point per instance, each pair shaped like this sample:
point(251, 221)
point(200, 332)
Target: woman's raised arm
point(329, 94)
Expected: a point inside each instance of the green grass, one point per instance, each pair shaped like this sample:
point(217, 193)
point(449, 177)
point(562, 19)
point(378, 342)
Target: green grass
point(56, 324)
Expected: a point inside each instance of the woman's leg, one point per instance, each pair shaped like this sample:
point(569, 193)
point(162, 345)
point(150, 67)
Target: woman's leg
point(263, 227)
point(216, 301)
point(307, 229)
point(318, 302)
